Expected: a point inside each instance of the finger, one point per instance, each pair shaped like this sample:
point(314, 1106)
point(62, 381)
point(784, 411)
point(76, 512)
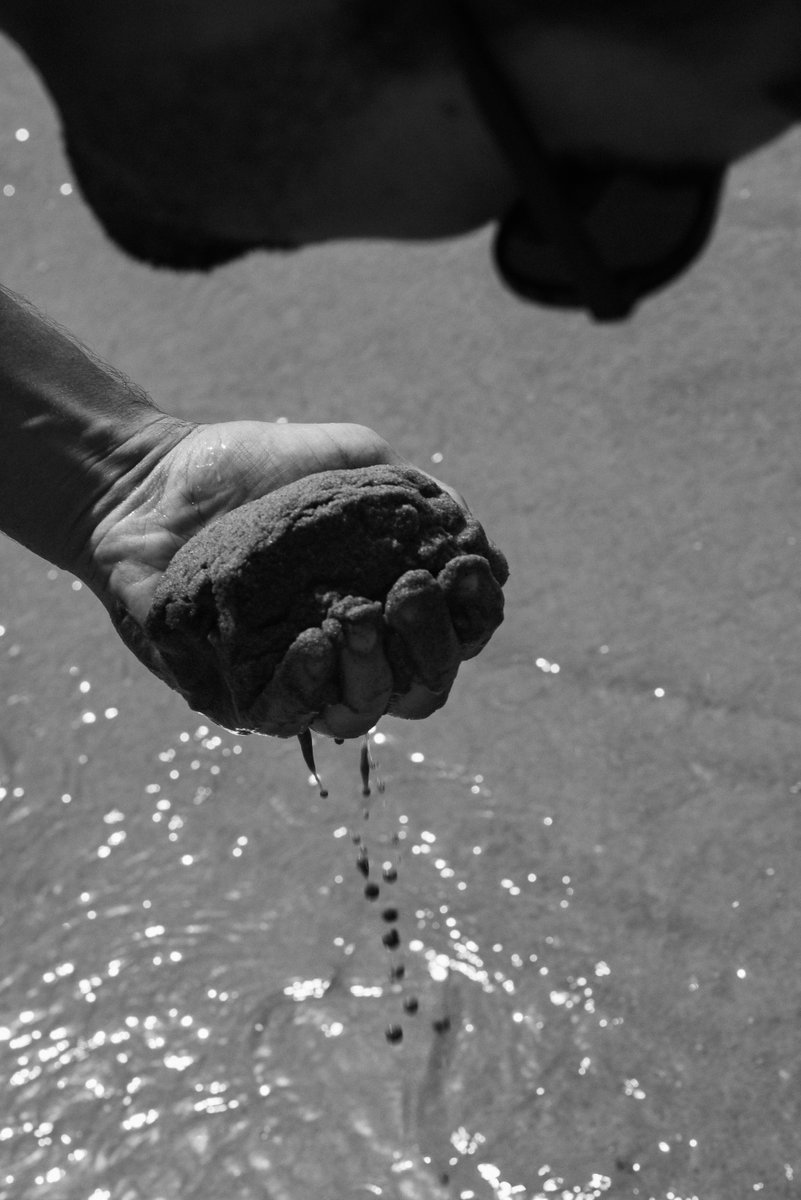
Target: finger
point(418, 702)
point(339, 721)
point(472, 539)
point(364, 680)
point(474, 599)
point(303, 683)
point(328, 446)
point(194, 669)
point(416, 611)
point(452, 492)
point(366, 676)
point(367, 681)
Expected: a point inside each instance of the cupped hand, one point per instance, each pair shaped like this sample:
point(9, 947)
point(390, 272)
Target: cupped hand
point(212, 470)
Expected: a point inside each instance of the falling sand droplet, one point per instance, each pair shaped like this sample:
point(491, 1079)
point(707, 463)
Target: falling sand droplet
point(364, 765)
point(307, 750)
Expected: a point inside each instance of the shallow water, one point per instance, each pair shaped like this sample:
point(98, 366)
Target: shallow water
point(596, 842)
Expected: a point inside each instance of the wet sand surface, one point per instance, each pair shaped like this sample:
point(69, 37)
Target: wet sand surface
point(592, 851)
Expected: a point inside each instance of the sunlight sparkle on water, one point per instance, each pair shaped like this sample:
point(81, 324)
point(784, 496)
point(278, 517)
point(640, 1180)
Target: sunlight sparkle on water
point(303, 989)
point(549, 668)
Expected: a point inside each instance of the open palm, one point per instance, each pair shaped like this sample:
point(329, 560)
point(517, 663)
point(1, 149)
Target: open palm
point(213, 470)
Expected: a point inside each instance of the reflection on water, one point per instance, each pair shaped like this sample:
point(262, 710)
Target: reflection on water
point(169, 1039)
point(215, 982)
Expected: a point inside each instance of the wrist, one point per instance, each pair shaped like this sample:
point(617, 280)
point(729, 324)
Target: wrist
point(74, 436)
point(128, 499)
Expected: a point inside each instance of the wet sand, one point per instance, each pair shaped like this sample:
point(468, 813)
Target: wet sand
point(596, 841)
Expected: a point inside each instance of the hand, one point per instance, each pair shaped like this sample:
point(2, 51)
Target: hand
point(212, 470)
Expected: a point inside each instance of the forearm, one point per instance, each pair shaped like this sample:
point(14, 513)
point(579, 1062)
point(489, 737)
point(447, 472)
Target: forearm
point(73, 433)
